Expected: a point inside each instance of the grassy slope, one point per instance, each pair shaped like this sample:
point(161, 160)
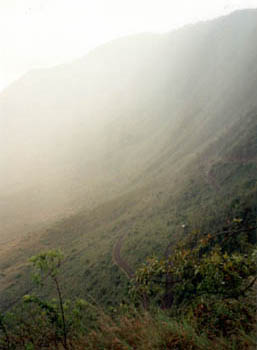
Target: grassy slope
point(208, 187)
point(130, 113)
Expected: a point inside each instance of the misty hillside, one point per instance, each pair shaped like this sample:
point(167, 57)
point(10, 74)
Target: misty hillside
point(216, 185)
point(131, 113)
point(120, 154)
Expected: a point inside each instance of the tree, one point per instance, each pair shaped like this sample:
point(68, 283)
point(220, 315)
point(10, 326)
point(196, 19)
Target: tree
point(188, 274)
point(47, 265)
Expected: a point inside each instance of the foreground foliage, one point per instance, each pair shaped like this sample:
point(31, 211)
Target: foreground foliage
point(201, 297)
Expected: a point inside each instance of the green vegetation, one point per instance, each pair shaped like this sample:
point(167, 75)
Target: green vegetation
point(152, 219)
point(201, 297)
point(157, 224)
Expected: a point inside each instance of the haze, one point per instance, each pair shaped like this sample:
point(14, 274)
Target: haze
point(41, 33)
point(120, 137)
point(77, 135)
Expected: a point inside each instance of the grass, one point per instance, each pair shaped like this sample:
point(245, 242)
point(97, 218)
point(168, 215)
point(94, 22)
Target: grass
point(151, 216)
point(142, 330)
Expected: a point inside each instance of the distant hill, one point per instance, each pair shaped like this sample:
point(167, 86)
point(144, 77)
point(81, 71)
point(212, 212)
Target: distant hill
point(145, 138)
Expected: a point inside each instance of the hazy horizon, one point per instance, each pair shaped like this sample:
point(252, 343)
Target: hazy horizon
point(78, 135)
point(146, 146)
point(37, 34)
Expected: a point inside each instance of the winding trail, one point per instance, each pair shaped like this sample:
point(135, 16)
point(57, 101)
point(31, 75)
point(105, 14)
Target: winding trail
point(209, 178)
point(123, 265)
point(212, 181)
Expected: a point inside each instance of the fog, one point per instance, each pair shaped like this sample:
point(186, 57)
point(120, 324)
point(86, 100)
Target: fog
point(78, 134)
point(43, 33)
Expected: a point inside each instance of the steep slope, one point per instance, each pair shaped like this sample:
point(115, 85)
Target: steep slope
point(78, 135)
point(146, 138)
point(144, 222)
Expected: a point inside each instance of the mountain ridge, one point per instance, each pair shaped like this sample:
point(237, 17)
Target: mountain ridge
point(147, 163)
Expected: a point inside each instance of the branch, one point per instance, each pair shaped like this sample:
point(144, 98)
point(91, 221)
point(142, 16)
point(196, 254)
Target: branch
point(249, 286)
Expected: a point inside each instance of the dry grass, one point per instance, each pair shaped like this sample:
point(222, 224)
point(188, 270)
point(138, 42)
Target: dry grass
point(145, 332)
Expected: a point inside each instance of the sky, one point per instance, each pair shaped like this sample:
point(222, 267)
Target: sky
point(43, 33)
